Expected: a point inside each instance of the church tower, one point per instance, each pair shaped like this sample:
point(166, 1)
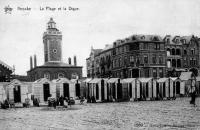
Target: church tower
point(52, 40)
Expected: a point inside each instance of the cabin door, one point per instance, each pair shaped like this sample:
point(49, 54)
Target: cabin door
point(77, 89)
point(66, 90)
point(17, 94)
point(46, 91)
point(177, 87)
point(102, 90)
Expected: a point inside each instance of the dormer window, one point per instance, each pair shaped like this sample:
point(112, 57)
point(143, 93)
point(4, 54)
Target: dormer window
point(168, 41)
point(143, 37)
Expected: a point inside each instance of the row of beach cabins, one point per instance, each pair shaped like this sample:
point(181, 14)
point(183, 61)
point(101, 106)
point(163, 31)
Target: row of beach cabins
point(101, 89)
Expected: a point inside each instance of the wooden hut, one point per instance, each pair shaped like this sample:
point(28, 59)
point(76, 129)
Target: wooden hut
point(114, 89)
point(17, 91)
point(42, 88)
point(129, 88)
point(64, 87)
point(145, 88)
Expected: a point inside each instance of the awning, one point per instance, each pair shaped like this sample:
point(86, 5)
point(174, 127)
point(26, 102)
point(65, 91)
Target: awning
point(144, 80)
point(198, 78)
point(75, 81)
point(87, 80)
point(162, 80)
point(173, 78)
point(128, 80)
point(95, 80)
point(186, 75)
point(112, 80)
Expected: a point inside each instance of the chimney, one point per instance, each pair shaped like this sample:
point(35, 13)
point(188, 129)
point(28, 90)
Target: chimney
point(69, 61)
point(31, 63)
point(75, 61)
point(35, 61)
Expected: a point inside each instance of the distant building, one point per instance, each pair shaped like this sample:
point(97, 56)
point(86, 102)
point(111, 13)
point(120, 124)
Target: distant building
point(182, 54)
point(5, 72)
point(136, 56)
point(53, 67)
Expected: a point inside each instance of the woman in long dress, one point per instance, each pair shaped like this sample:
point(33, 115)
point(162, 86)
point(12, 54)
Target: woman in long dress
point(193, 96)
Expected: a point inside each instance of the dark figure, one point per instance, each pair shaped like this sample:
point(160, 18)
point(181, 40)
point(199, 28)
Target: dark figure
point(57, 101)
point(93, 99)
point(89, 99)
point(61, 100)
point(5, 104)
point(193, 96)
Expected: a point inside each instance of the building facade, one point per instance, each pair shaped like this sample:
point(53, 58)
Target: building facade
point(133, 57)
point(53, 67)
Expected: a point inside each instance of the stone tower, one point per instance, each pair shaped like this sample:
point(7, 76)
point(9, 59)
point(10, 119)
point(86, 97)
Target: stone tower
point(52, 40)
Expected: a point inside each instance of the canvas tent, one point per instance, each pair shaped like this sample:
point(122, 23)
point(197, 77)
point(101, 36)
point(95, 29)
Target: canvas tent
point(42, 88)
point(164, 88)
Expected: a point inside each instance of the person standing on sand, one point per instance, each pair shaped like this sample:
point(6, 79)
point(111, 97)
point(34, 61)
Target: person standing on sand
point(193, 95)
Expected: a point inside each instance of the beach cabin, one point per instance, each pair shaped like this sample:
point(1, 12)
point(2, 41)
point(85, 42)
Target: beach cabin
point(17, 91)
point(145, 88)
point(3, 91)
point(172, 86)
point(42, 88)
point(79, 88)
point(98, 89)
point(114, 89)
point(64, 87)
point(186, 80)
point(129, 88)
point(164, 88)
point(87, 87)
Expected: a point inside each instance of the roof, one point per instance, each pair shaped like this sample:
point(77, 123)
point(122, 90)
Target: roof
point(87, 80)
point(185, 75)
point(144, 80)
point(173, 78)
point(56, 64)
point(161, 80)
point(6, 66)
point(112, 80)
point(95, 80)
point(61, 80)
point(198, 78)
point(75, 81)
point(128, 80)
point(42, 80)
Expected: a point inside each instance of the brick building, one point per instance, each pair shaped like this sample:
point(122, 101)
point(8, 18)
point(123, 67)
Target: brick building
point(53, 67)
point(136, 56)
point(182, 54)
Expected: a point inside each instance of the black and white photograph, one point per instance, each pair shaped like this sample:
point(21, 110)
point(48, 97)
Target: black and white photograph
point(99, 64)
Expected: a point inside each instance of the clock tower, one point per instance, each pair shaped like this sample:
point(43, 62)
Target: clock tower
point(52, 40)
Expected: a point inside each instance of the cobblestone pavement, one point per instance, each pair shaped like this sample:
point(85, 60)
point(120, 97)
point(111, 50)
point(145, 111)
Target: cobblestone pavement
point(173, 114)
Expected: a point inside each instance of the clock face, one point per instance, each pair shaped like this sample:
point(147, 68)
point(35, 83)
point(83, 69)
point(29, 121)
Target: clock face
point(54, 51)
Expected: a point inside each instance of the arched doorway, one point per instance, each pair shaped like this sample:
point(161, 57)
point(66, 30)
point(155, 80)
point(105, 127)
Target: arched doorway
point(46, 91)
point(194, 71)
point(66, 90)
point(17, 94)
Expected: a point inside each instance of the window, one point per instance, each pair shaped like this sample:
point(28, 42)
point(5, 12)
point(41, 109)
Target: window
point(146, 59)
point(160, 60)
point(185, 52)
point(61, 75)
point(154, 59)
point(192, 51)
point(132, 59)
point(168, 41)
point(160, 72)
point(154, 73)
point(54, 51)
point(47, 75)
point(145, 46)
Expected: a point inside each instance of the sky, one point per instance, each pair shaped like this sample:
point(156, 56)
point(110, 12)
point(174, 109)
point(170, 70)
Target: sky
point(95, 23)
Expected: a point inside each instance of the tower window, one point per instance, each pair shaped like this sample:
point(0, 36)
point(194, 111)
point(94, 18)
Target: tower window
point(60, 75)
